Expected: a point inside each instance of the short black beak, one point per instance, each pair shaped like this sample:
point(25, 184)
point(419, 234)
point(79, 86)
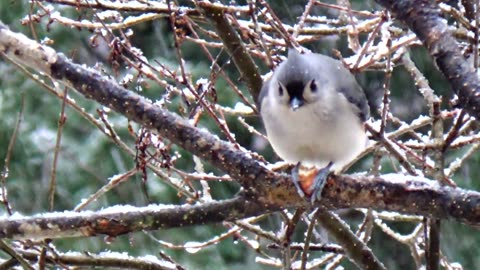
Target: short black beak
point(296, 103)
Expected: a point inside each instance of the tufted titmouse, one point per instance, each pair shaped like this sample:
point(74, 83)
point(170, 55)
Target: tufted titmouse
point(313, 111)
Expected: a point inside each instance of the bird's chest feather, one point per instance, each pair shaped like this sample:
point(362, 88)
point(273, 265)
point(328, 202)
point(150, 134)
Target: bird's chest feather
point(316, 134)
point(306, 125)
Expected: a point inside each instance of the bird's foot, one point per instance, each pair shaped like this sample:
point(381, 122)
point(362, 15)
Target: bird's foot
point(312, 183)
point(319, 183)
point(296, 180)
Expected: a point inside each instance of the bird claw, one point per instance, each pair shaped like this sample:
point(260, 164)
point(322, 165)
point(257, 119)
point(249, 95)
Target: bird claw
point(319, 183)
point(296, 180)
point(315, 190)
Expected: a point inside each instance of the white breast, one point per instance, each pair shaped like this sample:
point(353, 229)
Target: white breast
point(315, 134)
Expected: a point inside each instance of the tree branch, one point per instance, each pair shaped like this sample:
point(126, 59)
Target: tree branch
point(235, 47)
point(360, 253)
point(423, 18)
point(106, 259)
point(405, 194)
point(119, 220)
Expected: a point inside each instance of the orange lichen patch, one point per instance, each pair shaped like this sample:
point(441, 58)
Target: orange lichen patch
point(307, 177)
point(111, 227)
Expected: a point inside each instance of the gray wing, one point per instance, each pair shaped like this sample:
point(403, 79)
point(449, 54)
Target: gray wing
point(346, 84)
point(356, 96)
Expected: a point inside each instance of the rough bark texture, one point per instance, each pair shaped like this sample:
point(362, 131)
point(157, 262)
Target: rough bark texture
point(125, 219)
point(407, 194)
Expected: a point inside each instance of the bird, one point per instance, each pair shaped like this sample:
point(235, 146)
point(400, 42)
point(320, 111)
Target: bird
point(314, 112)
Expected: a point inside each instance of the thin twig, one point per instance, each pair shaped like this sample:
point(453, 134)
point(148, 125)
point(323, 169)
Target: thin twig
point(393, 150)
point(432, 239)
point(113, 182)
point(477, 32)
point(11, 145)
point(10, 251)
point(386, 89)
point(366, 45)
point(235, 47)
point(367, 14)
point(308, 239)
point(356, 250)
point(331, 248)
point(301, 23)
point(56, 153)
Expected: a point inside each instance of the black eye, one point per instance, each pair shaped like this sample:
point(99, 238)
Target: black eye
point(280, 90)
point(313, 86)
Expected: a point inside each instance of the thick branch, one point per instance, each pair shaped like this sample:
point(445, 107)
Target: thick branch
point(119, 220)
point(423, 18)
point(405, 194)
